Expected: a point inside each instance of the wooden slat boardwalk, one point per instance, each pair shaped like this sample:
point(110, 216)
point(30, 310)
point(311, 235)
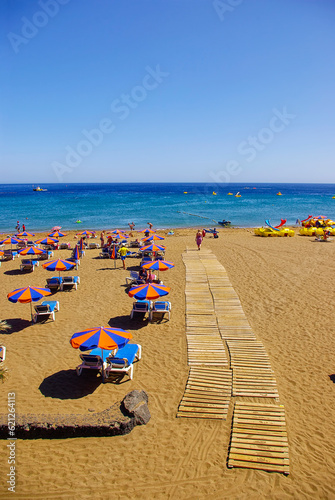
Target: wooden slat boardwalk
point(225, 360)
point(259, 438)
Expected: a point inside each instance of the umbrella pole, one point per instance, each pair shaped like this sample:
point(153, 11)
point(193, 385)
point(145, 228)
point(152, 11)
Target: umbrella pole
point(31, 312)
point(102, 368)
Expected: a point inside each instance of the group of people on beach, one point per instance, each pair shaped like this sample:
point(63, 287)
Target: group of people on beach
point(201, 235)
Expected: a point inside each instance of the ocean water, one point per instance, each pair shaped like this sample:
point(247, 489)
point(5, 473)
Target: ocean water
point(170, 205)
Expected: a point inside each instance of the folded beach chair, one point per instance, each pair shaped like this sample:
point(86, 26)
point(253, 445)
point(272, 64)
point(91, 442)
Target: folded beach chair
point(2, 353)
point(159, 309)
point(93, 246)
point(46, 311)
point(122, 361)
point(70, 282)
point(28, 265)
point(21, 244)
point(141, 307)
point(54, 283)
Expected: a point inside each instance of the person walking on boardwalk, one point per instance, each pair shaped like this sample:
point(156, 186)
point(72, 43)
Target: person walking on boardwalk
point(198, 239)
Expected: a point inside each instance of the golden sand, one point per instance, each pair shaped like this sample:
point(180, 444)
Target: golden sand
point(286, 287)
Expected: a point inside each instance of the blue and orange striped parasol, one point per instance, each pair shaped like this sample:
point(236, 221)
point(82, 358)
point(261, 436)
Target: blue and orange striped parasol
point(153, 237)
point(47, 241)
point(103, 337)
point(56, 234)
point(149, 291)
point(31, 251)
point(25, 235)
point(28, 294)
point(58, 265)
point(10, 241)
point(153, 248)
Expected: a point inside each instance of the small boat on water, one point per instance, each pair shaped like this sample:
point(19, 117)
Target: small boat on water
point(38, 188)
point(238, 195)
point(224, 222)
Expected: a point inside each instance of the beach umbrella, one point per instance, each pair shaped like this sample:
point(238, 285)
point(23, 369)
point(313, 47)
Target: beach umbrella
point(102, 337)
point(76, 255)
point(58, 265)
point(152, 248)
point(31, 251)
point(81, 247)
point(10, 241)
point(86, 233)
point(56, 234)
point(47, 241)
point(158, 265)
point(56, 228)
point(153, 237)
point(116, 231)
point(122, 235)
point(149, 291)
point(147, 231)
point(1, 253)
point(28, 294)
point(25, 235)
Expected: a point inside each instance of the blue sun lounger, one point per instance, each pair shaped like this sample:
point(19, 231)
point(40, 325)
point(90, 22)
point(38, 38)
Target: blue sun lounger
point(54, 283)
point(46, 310)
point(122, 361)
point(92, 361)
point(159, 308)
point(141, 306)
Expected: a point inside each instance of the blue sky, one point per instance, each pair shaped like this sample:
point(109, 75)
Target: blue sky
point(167, 90)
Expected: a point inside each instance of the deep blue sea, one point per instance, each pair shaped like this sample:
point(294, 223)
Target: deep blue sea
point(101, 206)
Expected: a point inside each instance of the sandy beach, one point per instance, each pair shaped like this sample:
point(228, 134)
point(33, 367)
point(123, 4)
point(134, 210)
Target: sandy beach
point(285, 286)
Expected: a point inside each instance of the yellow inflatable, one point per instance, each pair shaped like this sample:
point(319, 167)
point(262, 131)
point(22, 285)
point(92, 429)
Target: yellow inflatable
point(267, 231)
point(316, 231)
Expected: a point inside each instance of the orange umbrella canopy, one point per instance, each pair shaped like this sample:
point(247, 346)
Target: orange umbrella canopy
point(147, 231)
point(153, 237)
point(104, 337)
point(153, 248)
point(148, 291)
point(32, 251)
point(58, 265)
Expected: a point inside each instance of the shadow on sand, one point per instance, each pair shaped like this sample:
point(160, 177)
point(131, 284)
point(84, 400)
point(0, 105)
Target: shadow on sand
point(126, 323)
point(67, 385)
point(16, 325)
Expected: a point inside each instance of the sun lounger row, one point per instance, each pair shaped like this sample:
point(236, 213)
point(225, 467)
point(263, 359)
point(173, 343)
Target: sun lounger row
point(155, 309)
point(109, 362)
point(63, 283)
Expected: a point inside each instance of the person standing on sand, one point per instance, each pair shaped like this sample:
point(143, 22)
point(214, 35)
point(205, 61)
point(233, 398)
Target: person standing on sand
point(123, 253)
point(102, 240)
point(150, 225)
point(198, 239)
point(131, 225)
point(23, 227)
